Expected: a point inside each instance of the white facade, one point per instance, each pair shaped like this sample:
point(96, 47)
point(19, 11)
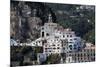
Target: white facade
point(55, 35)
point(48, 29)
point(52, 46)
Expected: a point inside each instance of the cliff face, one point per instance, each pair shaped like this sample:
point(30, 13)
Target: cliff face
point(26, 19)
point(14, 24)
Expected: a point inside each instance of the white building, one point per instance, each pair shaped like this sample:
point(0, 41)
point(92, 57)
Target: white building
point(54, 34)
point(58, 39)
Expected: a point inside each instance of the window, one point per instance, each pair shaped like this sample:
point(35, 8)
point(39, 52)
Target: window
point(70, 35)
point(91, 50)
point(53, 45)
point(42, 28)
point(49, 51)
point(67, 35)
point(75, 46)
point(44, 41)
point(70, 39)
point(47, 34)
point(70, 42)
point(91, 54)
point(88, 55)
point(84, 50)
point(75, 38)
point(58, 44)
point(63, 36)
point(70, 46)
point(56, 37)
point(58, 47)
point(75, 55)
point(45, 48)
point(63, 48)
point(39, 41)
point(42, 34)
point(54, 48)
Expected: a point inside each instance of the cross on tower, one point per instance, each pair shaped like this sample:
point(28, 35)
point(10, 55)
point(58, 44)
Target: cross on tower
point(49, 18)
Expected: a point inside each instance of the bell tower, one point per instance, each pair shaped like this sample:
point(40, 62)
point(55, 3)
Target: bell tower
point(34, 12)
point(49, 18)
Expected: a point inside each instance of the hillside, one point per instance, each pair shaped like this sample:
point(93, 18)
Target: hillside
point(80, 18)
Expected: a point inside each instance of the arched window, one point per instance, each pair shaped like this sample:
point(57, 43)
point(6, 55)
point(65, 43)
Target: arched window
point(42, 34)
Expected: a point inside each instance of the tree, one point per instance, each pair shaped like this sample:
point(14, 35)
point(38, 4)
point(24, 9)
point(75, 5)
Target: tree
point(90, 36)
point(53, 59)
